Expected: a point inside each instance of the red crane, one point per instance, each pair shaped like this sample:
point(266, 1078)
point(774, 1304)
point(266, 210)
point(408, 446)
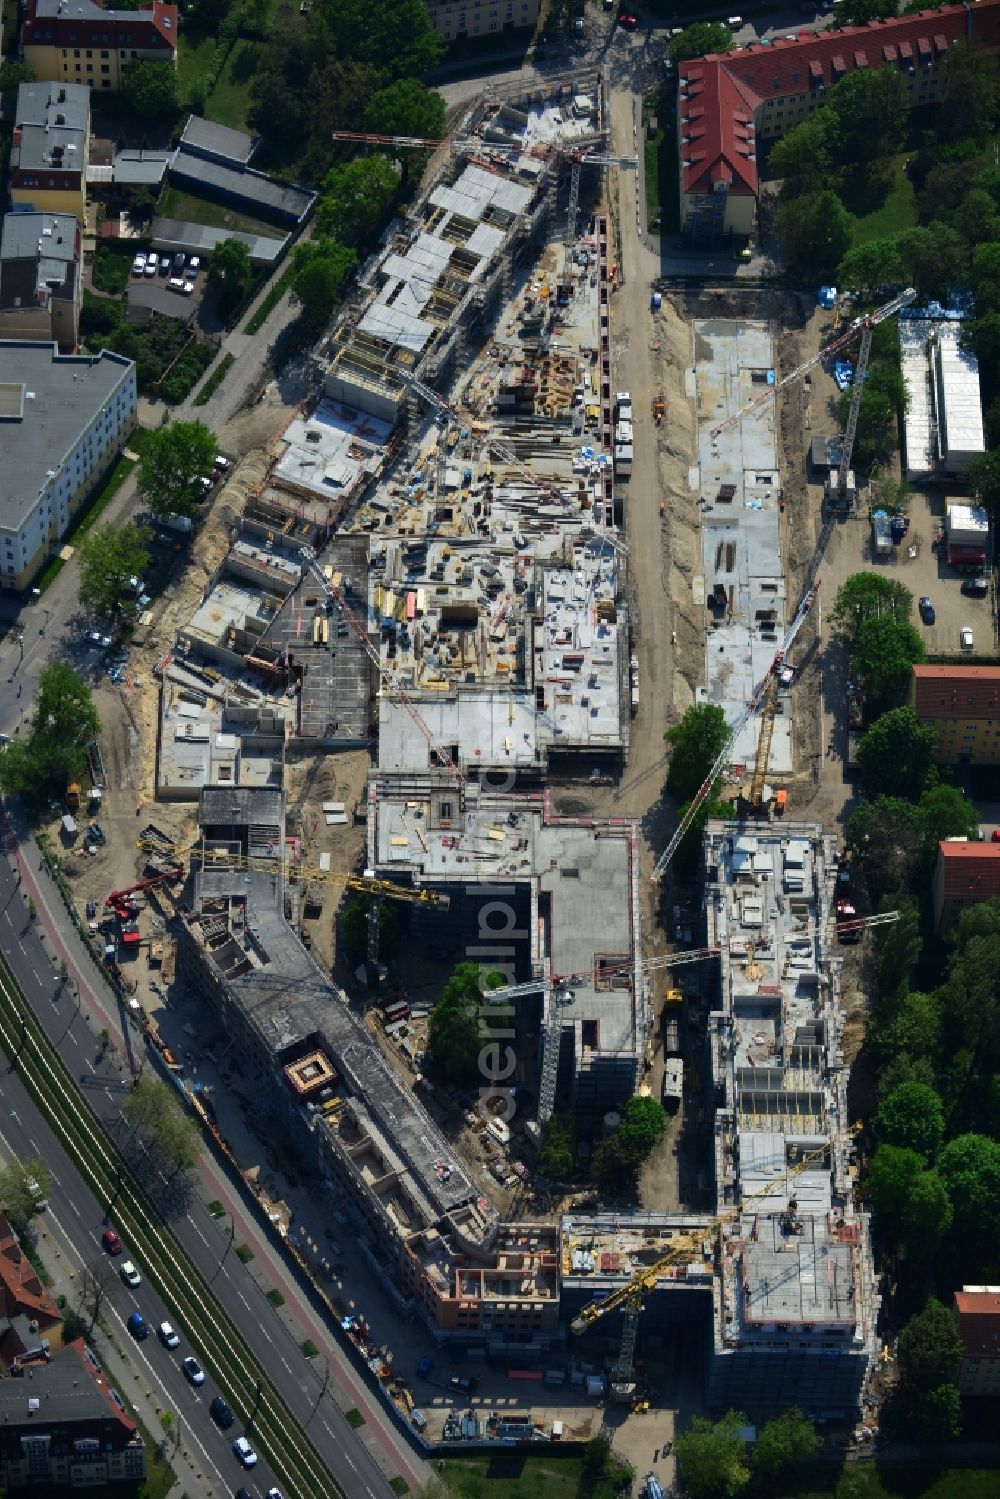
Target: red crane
point(124, 907)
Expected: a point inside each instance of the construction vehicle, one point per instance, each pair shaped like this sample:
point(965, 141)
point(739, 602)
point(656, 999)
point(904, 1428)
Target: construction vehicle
point(120, 902)
point(628, 1296)
point(557, 991)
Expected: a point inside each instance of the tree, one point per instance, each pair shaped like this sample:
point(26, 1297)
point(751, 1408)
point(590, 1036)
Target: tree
point(946, 812)
point(860, 12)
point(108, 556)
point(19, 1200)
point(935, 258)
point(614, 1167)
point(556, 1157)
point(141, 205)
point(872, 108)
point(174, 459)
point(970, 1169)
point(230, 274)
point(898, 947)
point(883, 652)
point(95, 1282)
point(406, 107)
point(896, 755)
point(937, 1415)
point(864, 596)
point(984, 481)
point(930, 1349)
point(38, 765)
point(700, 39)
point(913, 1119)
point(393, 35)
point(804, 158)
point(712, 1457)
point(900, 1197)
point(320, 270)
point(970, 95)
point(695, 745)
point(814, 232)
point(154, 1111)
point(354, 930)
point(453, 1029)
point(789, 1439)
point(642, 1125)
point(152, 90)
point(356, 198)
point(871, 266)
point(12, 75)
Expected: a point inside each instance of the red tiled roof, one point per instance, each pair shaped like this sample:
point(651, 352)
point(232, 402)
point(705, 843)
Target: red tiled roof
point(154, 27)
point(956, 691)
point(979, 1322)
point(21, 1291)
point(724, 85)
point(971, 870)
point(717, 132)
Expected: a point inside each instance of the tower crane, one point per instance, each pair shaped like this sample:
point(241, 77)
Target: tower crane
point(366, 883)
point(628, 1296)
point(865, 325)
point(757, 698)
point(500, 449)
point(558, 992)
point(768, 713)
point(577, 156)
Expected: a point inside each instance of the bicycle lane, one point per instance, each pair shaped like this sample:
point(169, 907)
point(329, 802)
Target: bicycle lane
point(101, 1007)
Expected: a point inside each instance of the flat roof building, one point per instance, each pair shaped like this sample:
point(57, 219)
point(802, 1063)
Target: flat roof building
point(49, 151)
point(40, 278)
point(63, 419)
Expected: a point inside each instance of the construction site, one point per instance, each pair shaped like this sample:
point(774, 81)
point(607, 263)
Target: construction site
point(406, 663)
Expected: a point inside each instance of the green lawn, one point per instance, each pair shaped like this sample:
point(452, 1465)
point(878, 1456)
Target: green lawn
point(896, 1481)
point(229, 101)
point(660, 165)
point(178, 204)
point(898, 212)
point(194, 58)
point(509, 1476)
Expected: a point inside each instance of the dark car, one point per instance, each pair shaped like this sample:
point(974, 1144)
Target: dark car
point(243, 1494)
point(976, 588)
point(221, 1414)
point(926, 610)
point(138, 1326)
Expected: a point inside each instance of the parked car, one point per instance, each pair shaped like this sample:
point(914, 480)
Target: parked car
point(926, 610)
point(221, 1413)
point(138, 265)
point(164, 265)
point(130, 1274)
point(138, 1326)
point(151, 266)
point(221, 462)
point(167, 1336)
point(111, 1242)
point(194, 266)
point(95, 637)
point(629, 22)
point(966, 638)
point(245, 1452)
point(178, 262)
point(193, 1370)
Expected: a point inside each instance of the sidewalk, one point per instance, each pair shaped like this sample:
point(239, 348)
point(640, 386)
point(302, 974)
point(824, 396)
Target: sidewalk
point(103, 1009)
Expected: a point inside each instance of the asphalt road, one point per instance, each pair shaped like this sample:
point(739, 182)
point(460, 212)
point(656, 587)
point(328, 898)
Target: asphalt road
point(80, 1220)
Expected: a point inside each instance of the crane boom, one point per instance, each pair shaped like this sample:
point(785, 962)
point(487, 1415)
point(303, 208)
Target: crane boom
point(747, 713)
point(869, 320)
point(646, 1278)
point(472, 143)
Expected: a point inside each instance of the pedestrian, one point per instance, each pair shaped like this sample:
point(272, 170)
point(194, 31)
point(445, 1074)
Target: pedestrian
point(19, 689)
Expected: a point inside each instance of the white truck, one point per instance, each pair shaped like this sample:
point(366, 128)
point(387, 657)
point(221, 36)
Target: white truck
point(623, 406)
point(881, 534)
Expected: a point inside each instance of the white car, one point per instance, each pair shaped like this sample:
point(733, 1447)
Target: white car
point(220, 462)
point(130, 1274)
point(193, 1370)
point(167, 1336)
point(965, 636)
point(176, 283)
point(245, 1452)
point(194, 265)
point(139, 265)
point(151, 266)
point(96, 638)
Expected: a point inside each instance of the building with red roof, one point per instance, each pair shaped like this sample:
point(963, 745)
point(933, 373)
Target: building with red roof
point(965, 874)
point(727, 102)
point(30, 1316)
point(962, 703)
point(80, 41)
point(977, 1312)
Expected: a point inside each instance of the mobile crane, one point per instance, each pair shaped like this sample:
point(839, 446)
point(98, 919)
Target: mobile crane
point(628, 1296)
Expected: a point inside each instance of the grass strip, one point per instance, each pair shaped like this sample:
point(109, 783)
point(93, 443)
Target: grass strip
point(270, 302)
point(214, 380)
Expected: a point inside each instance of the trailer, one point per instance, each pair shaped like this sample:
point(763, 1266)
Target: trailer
point(672, 1090)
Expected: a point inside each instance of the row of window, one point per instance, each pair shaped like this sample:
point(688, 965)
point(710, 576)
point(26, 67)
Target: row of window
point(123, 54)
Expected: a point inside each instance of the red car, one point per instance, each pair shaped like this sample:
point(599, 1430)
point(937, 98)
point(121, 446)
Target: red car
point(111, 1241)
point(995, 836)
point(629, 22)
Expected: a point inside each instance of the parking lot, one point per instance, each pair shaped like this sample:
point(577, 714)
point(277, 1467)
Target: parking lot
point(926, 574)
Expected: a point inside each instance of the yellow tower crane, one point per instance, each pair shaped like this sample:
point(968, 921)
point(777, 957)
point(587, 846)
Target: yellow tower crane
point(628, 1296)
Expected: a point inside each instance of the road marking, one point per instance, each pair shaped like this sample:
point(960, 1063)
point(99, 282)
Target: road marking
point(243, 1299)
point(289, 1368)
point(37, 979)
point(72, 1037)
point(350, 1464)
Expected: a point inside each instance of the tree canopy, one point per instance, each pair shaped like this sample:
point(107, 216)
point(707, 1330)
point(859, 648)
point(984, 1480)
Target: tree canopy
point(354, 930)
point(790, 1438)
point(152, 90)
point(38, 764)
point(912, 1117)
point(556, 1158)
point(643, 1123)
point(695, 744)
point(154, 1109)
point(174, 460)
point(320, 272)
point(814, 231)
point(883, 652)
point(108, 556)
point(699, 39)
point(230, 274)
point(896, 755)
point(19, 1200)
point(712, 1457)
point(453, 1028)
point(865, 596)
point(355, 199)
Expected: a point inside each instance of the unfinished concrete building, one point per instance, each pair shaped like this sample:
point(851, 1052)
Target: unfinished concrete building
point(795, 1301)
point(531, 894)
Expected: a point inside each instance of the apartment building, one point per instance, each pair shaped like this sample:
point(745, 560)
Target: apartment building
point(964, 875)
point(48, 154)
point(40, 282)
point(31, 1320)
point(728, 102)
point(64, 1428)
point(977, 1313)
point(962, 703)
point(63, 419)
point(80, 41)
point(465, 20)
